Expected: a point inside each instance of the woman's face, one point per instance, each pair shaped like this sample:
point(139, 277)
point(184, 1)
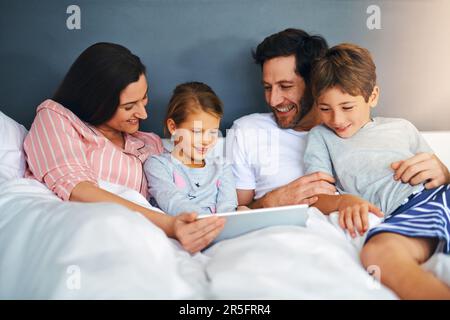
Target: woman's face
point(131, 109)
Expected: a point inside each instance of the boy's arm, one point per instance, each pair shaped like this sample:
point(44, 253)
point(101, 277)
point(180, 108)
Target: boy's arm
point(424, 167)
point(353, 211)
point(331, 203)
point(327, 203)
point(317, 157)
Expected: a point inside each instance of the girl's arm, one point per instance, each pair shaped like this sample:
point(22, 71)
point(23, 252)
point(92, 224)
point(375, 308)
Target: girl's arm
point(193, 235)
point(167, 193)
point(227, 196)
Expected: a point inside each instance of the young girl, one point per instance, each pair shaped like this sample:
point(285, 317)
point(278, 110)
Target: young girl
point(185, 179)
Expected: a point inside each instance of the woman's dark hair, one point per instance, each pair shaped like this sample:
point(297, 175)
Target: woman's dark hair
point(92, 86)
point(306, 48)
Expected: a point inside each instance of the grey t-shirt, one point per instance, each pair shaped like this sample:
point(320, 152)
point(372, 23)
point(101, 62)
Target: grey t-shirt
point(361, 164)
point(178, 188)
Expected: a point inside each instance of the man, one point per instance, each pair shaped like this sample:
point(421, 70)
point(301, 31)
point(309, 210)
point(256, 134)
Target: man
point(267, 148)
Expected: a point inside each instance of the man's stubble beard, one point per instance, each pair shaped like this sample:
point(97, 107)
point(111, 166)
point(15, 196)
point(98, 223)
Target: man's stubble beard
point(302, 112)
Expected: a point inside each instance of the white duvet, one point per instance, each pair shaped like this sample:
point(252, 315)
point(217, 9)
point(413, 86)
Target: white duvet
point(50, 249)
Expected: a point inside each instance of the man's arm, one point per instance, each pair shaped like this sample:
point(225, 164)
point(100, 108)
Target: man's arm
point(303, 190)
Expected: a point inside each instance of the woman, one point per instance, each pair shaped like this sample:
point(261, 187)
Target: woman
point(89, 132)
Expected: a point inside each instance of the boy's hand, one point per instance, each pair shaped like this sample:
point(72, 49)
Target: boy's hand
point(354, 212)
point(422, 168)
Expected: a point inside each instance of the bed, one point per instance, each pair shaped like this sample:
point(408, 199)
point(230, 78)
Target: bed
point(50, 249)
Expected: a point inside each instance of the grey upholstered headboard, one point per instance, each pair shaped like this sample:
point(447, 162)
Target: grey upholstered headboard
point(211, 41)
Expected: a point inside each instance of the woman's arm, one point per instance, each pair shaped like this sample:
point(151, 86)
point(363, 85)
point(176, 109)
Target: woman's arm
point(193, 235)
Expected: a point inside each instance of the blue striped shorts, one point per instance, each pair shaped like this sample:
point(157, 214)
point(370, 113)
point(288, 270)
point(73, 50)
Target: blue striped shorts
point(425, 215)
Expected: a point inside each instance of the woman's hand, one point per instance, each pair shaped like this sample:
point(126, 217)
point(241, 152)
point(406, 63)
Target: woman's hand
point(422, 168)
point(194, 235)
point(354, 214)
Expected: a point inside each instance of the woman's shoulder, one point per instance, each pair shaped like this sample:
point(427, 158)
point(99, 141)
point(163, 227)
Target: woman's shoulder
point(52, 113)
point(150, 139)
point(57, 110)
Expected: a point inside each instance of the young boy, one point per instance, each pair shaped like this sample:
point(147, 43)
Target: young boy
point(358, 151)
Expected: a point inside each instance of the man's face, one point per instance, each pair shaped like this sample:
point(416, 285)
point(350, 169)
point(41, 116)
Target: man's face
point(283, 90)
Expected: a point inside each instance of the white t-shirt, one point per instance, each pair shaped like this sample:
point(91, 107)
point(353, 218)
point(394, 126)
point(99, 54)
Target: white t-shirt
point(264, 157)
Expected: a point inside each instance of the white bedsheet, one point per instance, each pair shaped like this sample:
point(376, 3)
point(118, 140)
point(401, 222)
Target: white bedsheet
point(45, 243)
point(51, 249)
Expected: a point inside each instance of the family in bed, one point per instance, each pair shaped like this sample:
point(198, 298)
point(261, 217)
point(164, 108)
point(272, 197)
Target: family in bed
point(330, 152)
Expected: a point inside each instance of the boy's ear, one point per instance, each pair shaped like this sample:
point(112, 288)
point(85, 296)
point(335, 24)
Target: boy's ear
point(171, 126)
point(373, 99)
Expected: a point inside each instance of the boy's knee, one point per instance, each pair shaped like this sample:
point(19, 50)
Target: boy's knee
point(378, 249)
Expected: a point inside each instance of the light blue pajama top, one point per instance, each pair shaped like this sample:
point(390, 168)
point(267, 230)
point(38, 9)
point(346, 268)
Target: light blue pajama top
point(178, 188)
point(361, 164)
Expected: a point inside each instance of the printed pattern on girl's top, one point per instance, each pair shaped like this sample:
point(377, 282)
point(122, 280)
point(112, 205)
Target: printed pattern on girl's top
point(177, 188)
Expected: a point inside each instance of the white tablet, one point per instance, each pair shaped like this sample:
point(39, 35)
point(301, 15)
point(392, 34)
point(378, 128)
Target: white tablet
point(241, 222)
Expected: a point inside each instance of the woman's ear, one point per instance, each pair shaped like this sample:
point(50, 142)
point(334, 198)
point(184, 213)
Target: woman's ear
point(171, 126)
point(373, 99)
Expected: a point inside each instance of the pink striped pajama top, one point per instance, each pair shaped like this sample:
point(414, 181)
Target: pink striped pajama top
point(63, 151)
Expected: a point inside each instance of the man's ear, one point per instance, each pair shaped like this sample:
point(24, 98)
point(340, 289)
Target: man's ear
point(171, 126)
point(373, 99)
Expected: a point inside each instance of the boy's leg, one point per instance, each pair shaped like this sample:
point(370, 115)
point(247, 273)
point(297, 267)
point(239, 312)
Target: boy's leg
point(399, 258)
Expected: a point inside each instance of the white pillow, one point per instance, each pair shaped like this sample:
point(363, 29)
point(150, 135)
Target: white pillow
point(439, 142)
point(12, 157)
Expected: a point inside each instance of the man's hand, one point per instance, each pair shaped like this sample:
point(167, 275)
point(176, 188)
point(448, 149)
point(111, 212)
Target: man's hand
point(422, 168)
point(303, 190)
point(354, 214)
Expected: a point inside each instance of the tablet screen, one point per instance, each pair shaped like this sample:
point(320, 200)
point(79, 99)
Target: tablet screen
point(241, 222)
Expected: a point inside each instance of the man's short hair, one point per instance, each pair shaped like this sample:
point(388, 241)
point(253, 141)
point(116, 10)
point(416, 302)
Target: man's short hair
point(306, 48)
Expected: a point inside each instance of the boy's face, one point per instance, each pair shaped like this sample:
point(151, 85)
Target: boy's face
point(343, 113)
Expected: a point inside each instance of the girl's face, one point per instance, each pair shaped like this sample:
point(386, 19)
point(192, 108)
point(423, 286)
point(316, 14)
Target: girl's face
point(194, 137)
point(131, 109)
point(343, 113)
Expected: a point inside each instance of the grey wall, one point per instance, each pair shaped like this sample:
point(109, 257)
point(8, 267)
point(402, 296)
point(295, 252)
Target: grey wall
point(210, 41)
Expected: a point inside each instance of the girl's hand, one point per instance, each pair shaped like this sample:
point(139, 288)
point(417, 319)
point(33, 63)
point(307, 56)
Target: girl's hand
point(354, 214)
point(194, 235)
point(242, 208)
